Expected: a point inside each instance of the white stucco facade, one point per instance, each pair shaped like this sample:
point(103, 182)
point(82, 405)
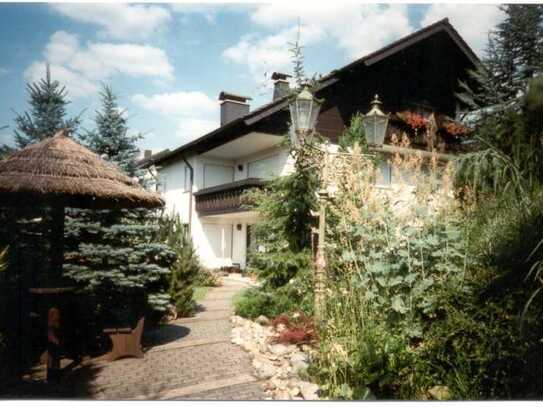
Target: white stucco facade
point(221, 240)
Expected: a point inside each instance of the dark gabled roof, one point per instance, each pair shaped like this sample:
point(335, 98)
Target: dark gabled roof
point(331, 78)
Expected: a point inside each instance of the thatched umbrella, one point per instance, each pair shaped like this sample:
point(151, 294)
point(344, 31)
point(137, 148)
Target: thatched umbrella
point(58, 172)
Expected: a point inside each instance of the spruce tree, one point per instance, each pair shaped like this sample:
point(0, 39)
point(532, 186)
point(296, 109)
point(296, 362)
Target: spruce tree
point(47, 114)
point(111, 138)
point(115, 258)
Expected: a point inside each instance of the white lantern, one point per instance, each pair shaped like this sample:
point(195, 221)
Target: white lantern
point(375, 123)
point(304, 111)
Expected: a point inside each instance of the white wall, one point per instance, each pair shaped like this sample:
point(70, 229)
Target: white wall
point(177, 200)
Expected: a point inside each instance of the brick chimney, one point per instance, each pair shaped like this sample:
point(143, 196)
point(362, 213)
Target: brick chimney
point(232, 106)
point(280, 85)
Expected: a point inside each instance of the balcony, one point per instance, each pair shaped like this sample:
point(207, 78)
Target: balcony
point(225, 198)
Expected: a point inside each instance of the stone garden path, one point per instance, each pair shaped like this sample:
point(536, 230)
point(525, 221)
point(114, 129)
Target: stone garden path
point(191, 358)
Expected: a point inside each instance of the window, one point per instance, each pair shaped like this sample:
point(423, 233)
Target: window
point(161, 183)
point(265, 168)
point(216, 174)
point(384, 177)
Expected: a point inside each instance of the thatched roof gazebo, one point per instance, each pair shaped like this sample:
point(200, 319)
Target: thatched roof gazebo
point(59, 171)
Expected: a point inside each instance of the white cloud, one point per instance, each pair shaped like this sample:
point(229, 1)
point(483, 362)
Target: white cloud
point(263, 55)
point(472, 21)
point(207, 11)
point(79, 67)
point(178, 103)
point(357, 29)
point(118, 20)
point(3, 71)
point(194, 112)
point(191, 128)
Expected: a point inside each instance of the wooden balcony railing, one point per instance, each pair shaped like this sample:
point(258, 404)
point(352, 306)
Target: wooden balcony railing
point(225, 198)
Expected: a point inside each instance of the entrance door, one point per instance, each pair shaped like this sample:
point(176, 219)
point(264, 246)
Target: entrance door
point(220, 240)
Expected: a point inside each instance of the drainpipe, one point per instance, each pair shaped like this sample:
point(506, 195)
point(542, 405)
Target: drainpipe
point(190, 192)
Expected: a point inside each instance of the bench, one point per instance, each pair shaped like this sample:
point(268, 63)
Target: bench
point(126, 341)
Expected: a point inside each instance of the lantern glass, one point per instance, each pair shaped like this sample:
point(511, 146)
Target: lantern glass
point(304, 111)
point(375, 124)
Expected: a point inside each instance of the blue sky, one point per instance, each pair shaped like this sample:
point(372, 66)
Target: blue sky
point(168, 62)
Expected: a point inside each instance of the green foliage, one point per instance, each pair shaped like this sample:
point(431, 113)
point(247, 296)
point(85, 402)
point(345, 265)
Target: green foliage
point(48, 101)
point(111, 137)
point(354, 134)
point(116, 257)
point(186, 269)
point(207, 278)
point(296, 295)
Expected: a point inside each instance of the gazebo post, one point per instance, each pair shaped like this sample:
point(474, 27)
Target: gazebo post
point(54, 317)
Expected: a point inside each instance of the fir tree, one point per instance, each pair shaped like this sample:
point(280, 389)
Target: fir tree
point(111, 138)
point(47, 115)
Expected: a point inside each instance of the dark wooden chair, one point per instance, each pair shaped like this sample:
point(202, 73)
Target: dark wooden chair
point(126, 341)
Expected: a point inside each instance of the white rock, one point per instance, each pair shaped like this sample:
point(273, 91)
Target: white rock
point(278, 349)
point(282, 394)
point(294, 391)
point(309, 390)
point(299, 365)
point(264, 369)
point(298, 357)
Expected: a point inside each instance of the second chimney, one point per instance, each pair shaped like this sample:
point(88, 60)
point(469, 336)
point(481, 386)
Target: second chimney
point(232, 106)
point(280, 85)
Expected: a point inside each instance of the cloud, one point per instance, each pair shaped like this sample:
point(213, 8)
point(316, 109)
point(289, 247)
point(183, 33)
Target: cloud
point(357, 29)
point(3, 71)
point(80, 67)
point(208, 11)
point(191, 128)
point(194, 112)
point(118, 20)
point(264, 54)
point(472, 21)
point(179, 103)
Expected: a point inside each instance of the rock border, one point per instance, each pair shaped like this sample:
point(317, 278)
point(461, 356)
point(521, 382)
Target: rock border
point(276, 364)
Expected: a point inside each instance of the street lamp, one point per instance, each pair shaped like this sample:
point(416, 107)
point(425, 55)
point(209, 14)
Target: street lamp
point(304, 111)
point(375, 123)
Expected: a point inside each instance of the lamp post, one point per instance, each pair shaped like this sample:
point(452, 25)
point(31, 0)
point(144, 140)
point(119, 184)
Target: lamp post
point(304, 111)
point(375, 123)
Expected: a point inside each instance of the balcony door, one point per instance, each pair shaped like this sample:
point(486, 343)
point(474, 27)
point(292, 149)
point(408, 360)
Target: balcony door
point(217, 174)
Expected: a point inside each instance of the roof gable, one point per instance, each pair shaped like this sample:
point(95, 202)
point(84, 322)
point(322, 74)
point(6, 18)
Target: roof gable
point(264, 111)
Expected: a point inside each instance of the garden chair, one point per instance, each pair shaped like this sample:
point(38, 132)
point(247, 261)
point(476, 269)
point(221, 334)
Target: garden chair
point(126, 341)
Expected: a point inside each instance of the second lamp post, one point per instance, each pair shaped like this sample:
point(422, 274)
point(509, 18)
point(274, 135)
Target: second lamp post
point(304, 111)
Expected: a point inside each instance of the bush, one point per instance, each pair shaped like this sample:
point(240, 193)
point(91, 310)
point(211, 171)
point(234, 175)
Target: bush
point(186, 268)
point(206, 278)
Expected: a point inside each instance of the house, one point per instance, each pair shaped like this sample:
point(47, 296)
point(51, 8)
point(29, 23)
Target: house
point(204, 179)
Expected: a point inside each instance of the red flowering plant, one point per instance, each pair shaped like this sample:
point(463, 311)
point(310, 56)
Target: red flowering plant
point(455, 129)
point(415, 121)
point(296, 329)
